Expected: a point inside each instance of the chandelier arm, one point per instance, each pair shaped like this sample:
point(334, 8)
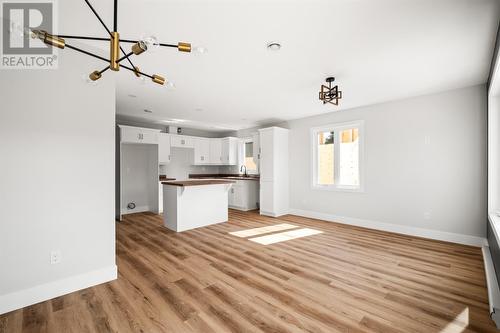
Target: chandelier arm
point(87, 53)
point(84, 37)
point(136, 71)
point(126, 56)
point(98, 17)
point(105, 69)
point(168, 45)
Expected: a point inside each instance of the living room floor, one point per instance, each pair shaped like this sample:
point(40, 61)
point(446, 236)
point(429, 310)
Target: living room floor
point(262, 274)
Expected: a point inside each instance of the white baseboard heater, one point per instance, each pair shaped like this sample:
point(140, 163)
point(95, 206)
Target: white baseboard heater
point(492, 284)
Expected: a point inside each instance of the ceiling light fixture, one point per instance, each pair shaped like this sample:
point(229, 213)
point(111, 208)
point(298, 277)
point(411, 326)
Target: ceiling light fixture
point(114, 62)
point(329, 94)
point(274, 46)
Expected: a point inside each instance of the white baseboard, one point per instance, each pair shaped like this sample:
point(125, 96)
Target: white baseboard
point(43, 292)
point(396, 228)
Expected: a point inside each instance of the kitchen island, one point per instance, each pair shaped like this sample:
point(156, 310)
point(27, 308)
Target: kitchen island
point(196, 203)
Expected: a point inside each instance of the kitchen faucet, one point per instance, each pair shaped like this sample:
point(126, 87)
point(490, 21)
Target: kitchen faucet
point(241, 169)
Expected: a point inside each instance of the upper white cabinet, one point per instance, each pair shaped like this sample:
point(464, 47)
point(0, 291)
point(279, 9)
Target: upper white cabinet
point(201, 151)
point(182, 141)
point(256, 149)
point(207, 151)
point(215, 151)
point(229, 151)
point(164, 148)
point(129, 134)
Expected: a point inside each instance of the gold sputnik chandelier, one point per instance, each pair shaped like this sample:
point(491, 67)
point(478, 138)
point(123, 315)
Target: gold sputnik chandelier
point(115, 61)
point(329, 94)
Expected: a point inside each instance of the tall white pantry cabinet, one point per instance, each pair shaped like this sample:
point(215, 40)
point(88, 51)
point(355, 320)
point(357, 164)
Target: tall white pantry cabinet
point(274, 179)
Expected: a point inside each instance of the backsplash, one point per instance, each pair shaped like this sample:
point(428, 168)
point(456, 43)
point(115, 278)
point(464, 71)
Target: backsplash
point(181, 166)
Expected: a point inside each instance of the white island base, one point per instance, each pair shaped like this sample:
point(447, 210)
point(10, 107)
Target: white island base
point(195, 203)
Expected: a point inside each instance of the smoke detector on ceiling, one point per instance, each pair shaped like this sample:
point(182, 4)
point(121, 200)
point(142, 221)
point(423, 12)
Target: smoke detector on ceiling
point(273, 46)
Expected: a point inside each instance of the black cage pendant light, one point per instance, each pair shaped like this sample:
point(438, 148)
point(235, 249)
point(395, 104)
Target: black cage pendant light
point(329, 94)
point(115, 61)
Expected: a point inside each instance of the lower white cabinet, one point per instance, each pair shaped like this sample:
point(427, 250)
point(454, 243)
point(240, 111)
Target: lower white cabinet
point(244, 195)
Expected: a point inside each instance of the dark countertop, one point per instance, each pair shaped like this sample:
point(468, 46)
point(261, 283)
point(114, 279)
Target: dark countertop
point(225, 176)
point(164, 178)
point(198, 182)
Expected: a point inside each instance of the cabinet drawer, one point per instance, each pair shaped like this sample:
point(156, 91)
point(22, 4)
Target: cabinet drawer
point(181, 141)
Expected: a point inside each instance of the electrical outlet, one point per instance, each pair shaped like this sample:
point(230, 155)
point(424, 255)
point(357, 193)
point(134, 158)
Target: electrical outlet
point(427, 215)
point(427, 140)
point(55, 257)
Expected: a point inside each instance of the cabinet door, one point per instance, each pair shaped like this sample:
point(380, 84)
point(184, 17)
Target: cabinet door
point(231, 196)
point(181, 141)
point(216, 151)
point(149, 137)
point(267, 197)
point(256, 149)
point(232, 158)
point(138, 135)
point(266, 155)
point(225, 151)
point(229, 151)
point(201, 151)
point(239, 196)
point(130, 135)
point(164, 148)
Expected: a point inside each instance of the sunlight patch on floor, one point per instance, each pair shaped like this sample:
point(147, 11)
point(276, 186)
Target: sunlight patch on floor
point(459, 324)
point(263, 230)
point(285, 236)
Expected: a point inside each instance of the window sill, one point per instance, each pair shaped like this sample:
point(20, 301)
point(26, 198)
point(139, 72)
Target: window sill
point(338, 188)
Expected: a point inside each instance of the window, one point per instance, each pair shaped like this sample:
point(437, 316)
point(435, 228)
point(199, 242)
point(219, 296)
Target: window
point(249, 156)
point(337, 156)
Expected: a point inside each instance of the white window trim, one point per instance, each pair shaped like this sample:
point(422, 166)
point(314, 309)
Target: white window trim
point(338, 127)
point(249, 171)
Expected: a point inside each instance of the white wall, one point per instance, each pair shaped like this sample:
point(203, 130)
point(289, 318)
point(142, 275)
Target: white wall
point(57, 153)
point(406, 178)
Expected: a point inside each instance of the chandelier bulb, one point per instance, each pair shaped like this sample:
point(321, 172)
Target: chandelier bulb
point(151, 42)
point(200, 50)
point(170, 85)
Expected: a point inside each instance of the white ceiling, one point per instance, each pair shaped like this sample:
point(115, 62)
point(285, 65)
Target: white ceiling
point(379, 50)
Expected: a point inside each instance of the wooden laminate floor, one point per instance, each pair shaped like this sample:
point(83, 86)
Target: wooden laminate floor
point(345, 279)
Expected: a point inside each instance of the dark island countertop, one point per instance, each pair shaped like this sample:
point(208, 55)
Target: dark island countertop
point(164, 178)
point(198, 182)
point(225, 176)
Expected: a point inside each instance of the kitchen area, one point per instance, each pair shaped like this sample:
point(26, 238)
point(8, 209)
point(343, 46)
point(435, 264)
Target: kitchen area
point(194, 181)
